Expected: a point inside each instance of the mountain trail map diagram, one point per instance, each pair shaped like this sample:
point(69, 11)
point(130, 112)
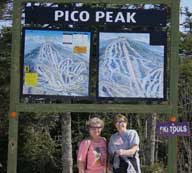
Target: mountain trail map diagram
point(56, 62)
point(129, 67)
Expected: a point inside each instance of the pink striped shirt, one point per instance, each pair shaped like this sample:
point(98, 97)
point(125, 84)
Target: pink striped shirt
point(94, 153)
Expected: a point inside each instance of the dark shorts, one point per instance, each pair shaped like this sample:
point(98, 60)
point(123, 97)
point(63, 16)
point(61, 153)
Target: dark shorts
point(123, 165)
point(122, 168)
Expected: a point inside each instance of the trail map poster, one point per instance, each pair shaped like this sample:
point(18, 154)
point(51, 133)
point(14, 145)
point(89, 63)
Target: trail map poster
point(130, 66)
point(56, 62)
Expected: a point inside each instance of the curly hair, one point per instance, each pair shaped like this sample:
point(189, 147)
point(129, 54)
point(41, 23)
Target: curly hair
point(95, 121)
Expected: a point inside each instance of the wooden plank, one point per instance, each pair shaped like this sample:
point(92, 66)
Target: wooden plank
point(14, 90)
point(168, 2)
point(12, 145)
point(16, 47)
point(93, 108)
point(172, 142)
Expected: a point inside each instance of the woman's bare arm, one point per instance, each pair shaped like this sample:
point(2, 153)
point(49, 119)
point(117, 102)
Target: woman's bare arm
point(81, 166)
point(129, 152)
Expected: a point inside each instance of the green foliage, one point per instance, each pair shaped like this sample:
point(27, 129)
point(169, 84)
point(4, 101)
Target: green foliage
point(38, 146)
point(185, 43)
point(185, 95)
point(186, 70)
point(155, 168)
point(5, 49)
point(186, 38)
point(188, 20)
point(5, 60)
point(39, 151)
point(185, 90)
point(2, 5)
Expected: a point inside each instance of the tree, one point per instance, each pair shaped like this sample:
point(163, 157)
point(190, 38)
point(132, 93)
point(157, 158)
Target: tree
point(185, 44)
point(185, 109)
point(6, 9)
point(67, 160)
point(2, 5)
point(185, 94)
point(5, 59)
point(188, 20)
point(5, 49)
point(39, 150)
point(151, 138)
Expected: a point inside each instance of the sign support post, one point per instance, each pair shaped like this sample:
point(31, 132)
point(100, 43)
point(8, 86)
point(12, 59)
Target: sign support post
point(172, 141)
point(14, 86)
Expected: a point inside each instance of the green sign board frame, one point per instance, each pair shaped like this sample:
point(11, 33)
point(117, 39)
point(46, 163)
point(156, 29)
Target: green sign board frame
point(169, 107)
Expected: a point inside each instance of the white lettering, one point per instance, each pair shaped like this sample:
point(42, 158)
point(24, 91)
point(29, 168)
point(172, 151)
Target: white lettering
point(130, 18)
point(99, 15)
point(58, 14)
point(109, 16)
point(178, 129)
point(184, 128)
point(173, 129)
point(119, 17)
point(84, 16)
point(67, 16)
point(164, 129)
point(73, 16)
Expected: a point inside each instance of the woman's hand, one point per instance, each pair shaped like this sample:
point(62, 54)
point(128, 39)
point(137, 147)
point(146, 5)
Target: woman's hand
point(129, 152)
point(109, 168)
point(81, 166)
point(109, 171)
point(81, 171)
point(120, 152)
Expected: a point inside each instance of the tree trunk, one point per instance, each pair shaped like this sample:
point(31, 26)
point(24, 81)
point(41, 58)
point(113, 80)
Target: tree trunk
point(67, 160)
point(151, 126)
point(188, 156)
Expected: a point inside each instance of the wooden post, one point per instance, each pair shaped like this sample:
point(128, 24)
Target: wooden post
point(172, 141)
point(12, 145)
point(14, 89)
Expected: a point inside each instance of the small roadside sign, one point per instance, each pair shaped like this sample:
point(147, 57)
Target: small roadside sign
point(168, 129)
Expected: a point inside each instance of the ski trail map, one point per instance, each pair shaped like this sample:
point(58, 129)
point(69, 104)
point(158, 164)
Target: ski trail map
point(129, 67)
point(56, 63)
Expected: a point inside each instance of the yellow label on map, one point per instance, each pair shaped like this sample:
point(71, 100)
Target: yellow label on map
point(80, 49)
point(31, 79)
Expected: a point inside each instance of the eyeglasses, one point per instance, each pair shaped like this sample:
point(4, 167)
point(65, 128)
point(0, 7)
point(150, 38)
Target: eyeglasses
point(119, 122)
point(95, 127)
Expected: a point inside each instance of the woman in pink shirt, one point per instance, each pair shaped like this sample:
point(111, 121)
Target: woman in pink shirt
point(92, 153)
